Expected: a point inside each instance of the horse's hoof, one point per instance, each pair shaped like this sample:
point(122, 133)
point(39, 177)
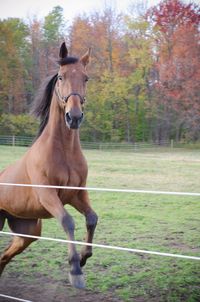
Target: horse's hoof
point(84, 258)
point(77, 281)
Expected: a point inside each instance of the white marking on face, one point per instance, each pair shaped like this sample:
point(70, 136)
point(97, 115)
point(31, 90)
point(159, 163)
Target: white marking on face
point(74, 70)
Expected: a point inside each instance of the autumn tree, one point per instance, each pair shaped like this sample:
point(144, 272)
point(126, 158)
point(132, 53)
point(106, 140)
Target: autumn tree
point(13, 55)
point(177, 51)
point(99, 31)
point(139, 39)
point(35, 27)
point(144, 72)
point(53, 33)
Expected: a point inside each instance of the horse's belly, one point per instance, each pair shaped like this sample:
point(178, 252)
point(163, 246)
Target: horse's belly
point(21, 202)
point(24, 202)
point(27, 210)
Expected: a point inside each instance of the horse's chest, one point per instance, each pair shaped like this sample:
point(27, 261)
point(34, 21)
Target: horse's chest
point(74, 173)
point(67, 172)
point(75, 176)
point(72, 176)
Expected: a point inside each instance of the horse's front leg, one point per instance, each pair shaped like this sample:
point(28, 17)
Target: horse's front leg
point(51, 202)
point(91, 222)
point(82, 204)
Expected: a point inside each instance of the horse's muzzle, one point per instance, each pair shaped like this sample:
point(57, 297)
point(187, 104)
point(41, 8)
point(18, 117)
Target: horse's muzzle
point(73, 121)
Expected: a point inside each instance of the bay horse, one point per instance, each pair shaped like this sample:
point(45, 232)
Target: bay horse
point(55, 158)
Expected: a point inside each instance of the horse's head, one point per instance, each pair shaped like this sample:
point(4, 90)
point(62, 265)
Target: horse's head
point(71, 86)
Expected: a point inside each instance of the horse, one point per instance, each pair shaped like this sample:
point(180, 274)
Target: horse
point(54, 158)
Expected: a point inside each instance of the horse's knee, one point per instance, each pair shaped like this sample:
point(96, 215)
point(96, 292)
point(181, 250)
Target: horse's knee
point(73, 258)
point(67, 223)
point(91, 220)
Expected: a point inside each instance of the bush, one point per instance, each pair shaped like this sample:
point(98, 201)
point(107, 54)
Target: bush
point(21, 125)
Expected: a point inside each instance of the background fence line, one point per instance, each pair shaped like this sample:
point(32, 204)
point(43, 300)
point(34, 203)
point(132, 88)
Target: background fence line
point(15, 140)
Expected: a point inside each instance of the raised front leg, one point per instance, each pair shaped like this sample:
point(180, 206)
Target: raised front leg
point(51, 202)
point(91, 222)
point(82, 204)
point(75, 275)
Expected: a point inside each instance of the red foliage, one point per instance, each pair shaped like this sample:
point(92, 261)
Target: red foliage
point(178, 63)
point(170, 14)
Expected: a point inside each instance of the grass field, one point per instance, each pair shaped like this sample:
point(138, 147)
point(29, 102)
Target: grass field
point(143, 221)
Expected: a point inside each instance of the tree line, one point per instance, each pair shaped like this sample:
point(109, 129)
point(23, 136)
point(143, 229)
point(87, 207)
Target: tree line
point(144, 74)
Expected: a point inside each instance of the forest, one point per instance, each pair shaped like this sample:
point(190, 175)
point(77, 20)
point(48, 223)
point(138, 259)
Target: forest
point(144, 73)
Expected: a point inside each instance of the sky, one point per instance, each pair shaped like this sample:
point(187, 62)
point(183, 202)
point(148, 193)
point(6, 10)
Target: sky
point(27, 8)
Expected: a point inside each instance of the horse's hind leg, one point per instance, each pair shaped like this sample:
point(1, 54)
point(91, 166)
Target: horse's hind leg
point(18, 244)
point(2, 219)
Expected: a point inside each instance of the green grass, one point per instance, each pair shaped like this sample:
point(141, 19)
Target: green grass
point(152, 222)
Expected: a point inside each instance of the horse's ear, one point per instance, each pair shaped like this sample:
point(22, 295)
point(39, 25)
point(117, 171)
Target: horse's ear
point(63, 51)
point(86, 57)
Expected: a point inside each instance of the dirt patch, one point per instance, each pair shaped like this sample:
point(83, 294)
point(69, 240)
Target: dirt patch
point(44, 289)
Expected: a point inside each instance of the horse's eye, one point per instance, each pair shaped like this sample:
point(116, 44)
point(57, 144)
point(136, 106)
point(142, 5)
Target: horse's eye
point(60, 77)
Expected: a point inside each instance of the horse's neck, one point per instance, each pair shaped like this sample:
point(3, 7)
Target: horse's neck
point(58, 131)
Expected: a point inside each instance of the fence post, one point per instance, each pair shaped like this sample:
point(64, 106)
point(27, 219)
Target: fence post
point(172, 143)
point(13, 140)
point(135, 147)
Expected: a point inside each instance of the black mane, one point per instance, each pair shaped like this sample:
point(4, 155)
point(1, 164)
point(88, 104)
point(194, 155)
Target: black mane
point(42, 100)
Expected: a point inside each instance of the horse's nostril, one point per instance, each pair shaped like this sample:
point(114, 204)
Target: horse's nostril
point(68, 117)
point(73, 121)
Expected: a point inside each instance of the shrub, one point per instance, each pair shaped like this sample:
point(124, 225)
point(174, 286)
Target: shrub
point(21, 125)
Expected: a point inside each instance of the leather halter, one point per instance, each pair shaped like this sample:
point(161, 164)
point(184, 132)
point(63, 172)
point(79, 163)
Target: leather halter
point(65, 98)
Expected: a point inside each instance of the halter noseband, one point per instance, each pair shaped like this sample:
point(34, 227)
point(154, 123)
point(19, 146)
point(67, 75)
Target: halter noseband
point(65, 98)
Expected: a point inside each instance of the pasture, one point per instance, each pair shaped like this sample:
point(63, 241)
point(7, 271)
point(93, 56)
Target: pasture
point(142, 221)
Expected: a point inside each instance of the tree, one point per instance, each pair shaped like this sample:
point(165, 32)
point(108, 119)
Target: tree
point(36, 51)
point(99, 31)
point(145, 69)
point(177, 52)
point(13, 47)
point(140, 56)
point(53, 34)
